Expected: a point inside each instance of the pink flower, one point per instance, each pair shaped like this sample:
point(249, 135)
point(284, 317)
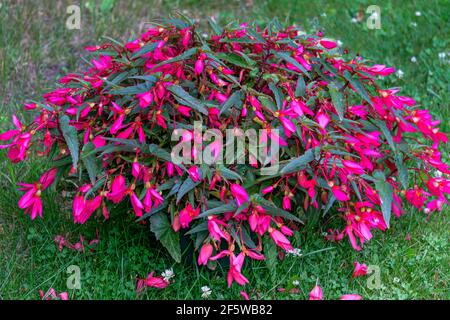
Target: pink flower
point(286, 203)
point(205, 254)
point(339, 194)
point(187, 214)
point(52, 295)
point(353, 167)
point(323, 119)
point(234, 274)
point(280, 240)
point(145, 99)
point(360, 270)
point(328, 44)
point(31, 200)
point(267, 190)
point(417, 197)
point(381, 70)
point(244, 295)
point(151, 282)
point(137, 204)
point(118, 189)
point(316, 293)
point(194, 173)
point(239, 194)
point(200, 64)
point(350, 296)
point(216, 229)
point(103, 63)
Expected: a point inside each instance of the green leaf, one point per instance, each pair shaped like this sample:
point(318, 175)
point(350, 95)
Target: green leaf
point(185, 98)
point(145, 49)
point(229, 174)
point(271, 255)
point(216, 28)
point(160, 226)
point(299, 163)
point(90, 162)
point(159, 152)
point(233, 100)
point(358, 86)
point(140, 88)
point(198, 228)
point(239, 60)
point(277, 94)
point(187, 186)
point(287, 57)
point(227, 207)
point(71, 137)
point(338, 100)
point(300, 89)
point(187, 54)
point(385, 192)
point(402, 170)
point(273, 210)
point(387, 134)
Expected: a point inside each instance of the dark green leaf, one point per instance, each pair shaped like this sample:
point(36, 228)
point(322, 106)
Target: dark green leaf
point(160, 226)
point(90, 162)
point(233, 100)
point(299, 163)
point(145, 49)
point(277, 94)
point(186, 98)
point(287, 57)
point(216, 28)
point(300, 89)
point(187, 54)
point(385, 192)
point(71, 137)
point(338, 100)
point(187, 186)
point(239, 60)
point(227, 207)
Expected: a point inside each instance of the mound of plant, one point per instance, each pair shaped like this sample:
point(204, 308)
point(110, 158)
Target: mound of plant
point(349, 149)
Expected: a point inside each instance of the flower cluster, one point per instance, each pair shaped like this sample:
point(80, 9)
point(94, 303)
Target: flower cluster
point(348, 147)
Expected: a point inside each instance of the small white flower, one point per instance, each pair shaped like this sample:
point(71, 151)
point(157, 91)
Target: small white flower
point(426, 211)
point(206, 292)
point(438, 174)
point(413, 59)
point(339, 43)
point(442, 55)
point(354, 20)
point(414, 24)
point(400, 74)
point(168, 274)
point(295, 283)
point(323, 14)
point(418, 13)
point(396, 280)
point(296, 252)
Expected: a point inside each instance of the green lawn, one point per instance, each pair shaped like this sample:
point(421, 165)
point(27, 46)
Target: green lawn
point(36, 48)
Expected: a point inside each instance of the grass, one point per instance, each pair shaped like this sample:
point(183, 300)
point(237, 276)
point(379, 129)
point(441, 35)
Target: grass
point(36, 48)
